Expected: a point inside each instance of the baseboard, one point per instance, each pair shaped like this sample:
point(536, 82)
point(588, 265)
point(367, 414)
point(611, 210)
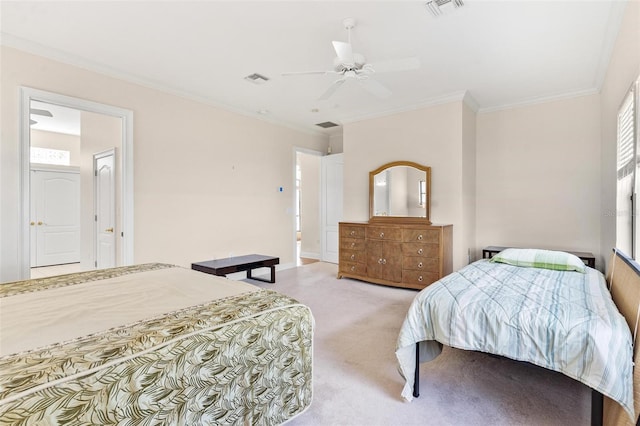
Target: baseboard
point(310, 255)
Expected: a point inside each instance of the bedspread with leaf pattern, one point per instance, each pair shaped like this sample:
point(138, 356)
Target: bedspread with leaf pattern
point(244, 359)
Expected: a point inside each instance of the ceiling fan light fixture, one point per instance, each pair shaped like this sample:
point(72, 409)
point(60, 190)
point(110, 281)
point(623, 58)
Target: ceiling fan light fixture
point(439, 7)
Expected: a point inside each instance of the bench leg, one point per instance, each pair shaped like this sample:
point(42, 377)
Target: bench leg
point(273, 275)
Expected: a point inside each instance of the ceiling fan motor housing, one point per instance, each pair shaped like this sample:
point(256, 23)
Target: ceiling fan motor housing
point(358, 59)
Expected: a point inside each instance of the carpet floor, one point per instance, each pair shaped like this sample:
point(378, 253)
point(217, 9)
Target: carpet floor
point(356, 380)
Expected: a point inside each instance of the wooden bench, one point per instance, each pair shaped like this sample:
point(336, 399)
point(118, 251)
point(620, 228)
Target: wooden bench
point(222, 267)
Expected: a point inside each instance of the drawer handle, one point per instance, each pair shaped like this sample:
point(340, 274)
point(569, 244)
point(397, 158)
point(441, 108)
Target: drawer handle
point(353, 232)
point(353, 268)
point(420, 265)
point(384, 261)
point(382, 235)
point(420, 251)
point(353, 256)
point(353, 245)
point(420, 278)
point(379, 261)
point(420, 237)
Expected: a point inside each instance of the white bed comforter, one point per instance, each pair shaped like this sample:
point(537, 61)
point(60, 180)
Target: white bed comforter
point(563, 321)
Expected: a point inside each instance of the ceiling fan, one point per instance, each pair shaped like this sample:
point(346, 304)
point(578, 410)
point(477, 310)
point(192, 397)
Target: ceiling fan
point(353, 66)
point(36, 111)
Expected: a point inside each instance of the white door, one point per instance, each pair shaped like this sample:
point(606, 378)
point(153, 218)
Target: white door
point(55, 217)
point(331, 183)
point(105, 208)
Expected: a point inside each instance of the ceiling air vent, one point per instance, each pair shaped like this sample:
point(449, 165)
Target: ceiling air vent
point(256, 78)
point(438, 7)
point(327, 124)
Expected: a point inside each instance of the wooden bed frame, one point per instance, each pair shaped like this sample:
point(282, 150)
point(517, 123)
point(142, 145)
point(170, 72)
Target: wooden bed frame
point(623, 279)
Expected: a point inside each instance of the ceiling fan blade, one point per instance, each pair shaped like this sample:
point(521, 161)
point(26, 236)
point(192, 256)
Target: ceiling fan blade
point(42, 112)
point(344, 52)
point(331, 90)
point(403, 64)
point(372, 86)
point(289, 74)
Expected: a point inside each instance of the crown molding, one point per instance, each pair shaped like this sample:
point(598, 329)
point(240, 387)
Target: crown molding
point(439, 100)
point(37, 49)
point(540, 100)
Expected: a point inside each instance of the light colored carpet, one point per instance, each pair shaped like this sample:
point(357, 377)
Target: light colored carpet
point(356, 381)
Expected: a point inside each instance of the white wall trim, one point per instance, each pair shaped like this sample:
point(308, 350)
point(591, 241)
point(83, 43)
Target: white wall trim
point(440, 100)
point(26, 95)
point(310, 255)
point(66, 58)
point(541, 100)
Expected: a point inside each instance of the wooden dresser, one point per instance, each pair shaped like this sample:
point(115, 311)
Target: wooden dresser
point(402, 255)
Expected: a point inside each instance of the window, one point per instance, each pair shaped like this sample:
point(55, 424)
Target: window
point(628, 162)
point(50, 156)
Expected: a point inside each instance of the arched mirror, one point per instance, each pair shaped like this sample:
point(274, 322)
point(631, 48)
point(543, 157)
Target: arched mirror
point(401, 189)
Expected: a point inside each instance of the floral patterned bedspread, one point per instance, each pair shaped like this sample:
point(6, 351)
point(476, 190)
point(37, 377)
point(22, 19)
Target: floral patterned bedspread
point(243, 359)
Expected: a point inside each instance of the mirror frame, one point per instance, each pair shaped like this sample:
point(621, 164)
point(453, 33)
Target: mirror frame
point(421, 220)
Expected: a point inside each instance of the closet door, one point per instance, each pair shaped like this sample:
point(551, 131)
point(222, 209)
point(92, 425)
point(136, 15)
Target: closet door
point(55, 209)
point(331, 205)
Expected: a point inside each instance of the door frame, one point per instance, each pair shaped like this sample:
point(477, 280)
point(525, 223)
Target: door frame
point(27, 95)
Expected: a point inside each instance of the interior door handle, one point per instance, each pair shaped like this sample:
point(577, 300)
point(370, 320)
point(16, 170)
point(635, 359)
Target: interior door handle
point(108, 230)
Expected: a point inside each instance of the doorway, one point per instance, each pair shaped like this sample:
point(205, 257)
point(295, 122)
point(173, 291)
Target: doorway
point(307, 206)
point(35, 106)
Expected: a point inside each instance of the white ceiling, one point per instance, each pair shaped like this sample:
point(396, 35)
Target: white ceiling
point(63, 120)
point(501, 53)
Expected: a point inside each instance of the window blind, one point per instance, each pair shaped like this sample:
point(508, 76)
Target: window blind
point(626, 137)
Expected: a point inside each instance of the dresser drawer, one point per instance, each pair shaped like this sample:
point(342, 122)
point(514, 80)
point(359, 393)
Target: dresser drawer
point(384, 233)
point(421, 235)
point(420, 249)
point(419, 263)
point(353, 268)
point(419, 277)
point(353, 256)
point(351, 231)
point(352, 244)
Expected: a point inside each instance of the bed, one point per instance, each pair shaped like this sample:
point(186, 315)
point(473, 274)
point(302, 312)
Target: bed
point(151, 344)
point(542, 307)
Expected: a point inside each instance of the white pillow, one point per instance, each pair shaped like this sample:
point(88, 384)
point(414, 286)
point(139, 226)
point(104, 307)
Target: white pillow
point(536, 258)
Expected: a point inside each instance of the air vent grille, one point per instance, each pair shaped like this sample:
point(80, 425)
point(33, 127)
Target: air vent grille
point(256, 78)
point(327, 124)
point(438, 7)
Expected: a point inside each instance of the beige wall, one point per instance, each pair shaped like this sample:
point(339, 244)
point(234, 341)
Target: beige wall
point(469, 171)
point(538, 174)
point(336, 142)
point(429, 136)
point(624, 68)
point(61, 141)
point(310, 205)
point(206, 180)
